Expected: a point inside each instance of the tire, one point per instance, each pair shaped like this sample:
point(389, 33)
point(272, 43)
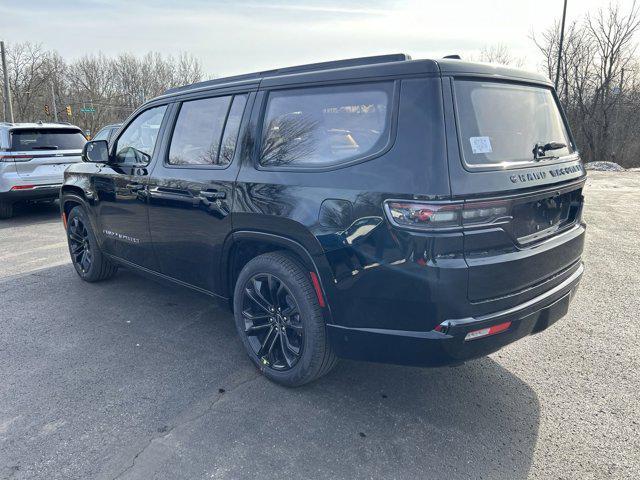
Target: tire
point(89, 262)
point(298, 325)
point(6, 209)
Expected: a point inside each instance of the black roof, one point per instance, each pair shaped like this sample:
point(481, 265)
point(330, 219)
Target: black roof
point(401, 62)
point(450, 66)
point(351, 62)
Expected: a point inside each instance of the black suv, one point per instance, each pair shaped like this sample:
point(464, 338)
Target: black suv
point(417, 212)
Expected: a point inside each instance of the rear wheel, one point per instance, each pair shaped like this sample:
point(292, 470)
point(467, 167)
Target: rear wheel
point(280, 321)
point(89, 262)
point(6, 209)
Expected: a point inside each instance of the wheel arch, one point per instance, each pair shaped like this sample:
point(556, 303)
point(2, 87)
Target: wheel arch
point(242, 246)
point(72, 196)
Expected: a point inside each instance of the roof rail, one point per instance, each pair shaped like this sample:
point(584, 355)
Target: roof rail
point(309, 67)
point(455, 56)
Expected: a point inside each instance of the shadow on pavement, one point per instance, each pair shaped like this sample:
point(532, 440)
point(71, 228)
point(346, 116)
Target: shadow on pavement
point(124, 377)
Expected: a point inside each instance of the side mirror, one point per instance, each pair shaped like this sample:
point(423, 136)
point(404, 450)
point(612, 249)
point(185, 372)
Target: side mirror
point(96, 152)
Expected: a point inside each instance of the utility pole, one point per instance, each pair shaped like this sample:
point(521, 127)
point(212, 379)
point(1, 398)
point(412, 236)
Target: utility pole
point(8, 108)
point(53, 104)
point(564, 16)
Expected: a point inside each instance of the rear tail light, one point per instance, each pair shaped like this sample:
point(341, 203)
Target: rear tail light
point(485, 213)
point(426, 216)
point(434, 216)
point(22, 187)
point(15, 158)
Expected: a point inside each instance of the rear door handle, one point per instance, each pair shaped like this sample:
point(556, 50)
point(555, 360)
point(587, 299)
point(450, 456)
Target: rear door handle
point(212, 194)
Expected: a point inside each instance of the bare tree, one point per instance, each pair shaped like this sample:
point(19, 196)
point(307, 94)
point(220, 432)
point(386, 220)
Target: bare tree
point(92, 84)
point(499, 53)
point(56, 71)
point(612, 32)
point(598, 80)
point(27, 77)
point(108, 89)
point(188, 70)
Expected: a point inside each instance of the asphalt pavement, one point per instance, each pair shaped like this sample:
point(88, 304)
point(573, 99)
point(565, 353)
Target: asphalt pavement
point(136, 380)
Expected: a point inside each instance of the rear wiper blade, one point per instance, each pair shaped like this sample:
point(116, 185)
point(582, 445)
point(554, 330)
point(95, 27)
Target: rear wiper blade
point(540, 149)
point(45, 147)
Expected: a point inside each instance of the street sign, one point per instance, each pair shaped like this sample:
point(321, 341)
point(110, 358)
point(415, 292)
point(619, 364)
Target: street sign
point(88, 110)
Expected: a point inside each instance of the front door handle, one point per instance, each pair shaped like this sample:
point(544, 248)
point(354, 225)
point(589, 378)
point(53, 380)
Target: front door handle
point(212, 194)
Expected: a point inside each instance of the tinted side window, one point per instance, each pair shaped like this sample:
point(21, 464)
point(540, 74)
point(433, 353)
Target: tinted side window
point(198, 132)
point(102, 134)
point(322, 126)
point(138, 141)
point(231, 129)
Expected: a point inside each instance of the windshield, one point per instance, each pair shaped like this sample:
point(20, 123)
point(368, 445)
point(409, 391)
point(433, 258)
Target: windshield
point(47, 139)
point(503, 124)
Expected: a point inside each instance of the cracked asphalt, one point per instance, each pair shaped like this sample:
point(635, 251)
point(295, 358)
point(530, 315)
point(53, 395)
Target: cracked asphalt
point(131, 379)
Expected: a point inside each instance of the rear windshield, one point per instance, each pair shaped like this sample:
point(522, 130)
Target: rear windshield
point(47, 139)
point(502, 124)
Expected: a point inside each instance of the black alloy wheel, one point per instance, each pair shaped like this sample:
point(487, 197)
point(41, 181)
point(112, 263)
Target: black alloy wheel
point(272, 322)
point(79, 244)
point(87, 258)
point(280, 321)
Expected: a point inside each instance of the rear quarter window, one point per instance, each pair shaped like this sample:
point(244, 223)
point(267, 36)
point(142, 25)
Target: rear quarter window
point(500, 123)
point(325, 126)
point(47, 139)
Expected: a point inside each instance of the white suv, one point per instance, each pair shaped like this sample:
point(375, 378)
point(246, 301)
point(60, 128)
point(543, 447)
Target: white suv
point(33, 157)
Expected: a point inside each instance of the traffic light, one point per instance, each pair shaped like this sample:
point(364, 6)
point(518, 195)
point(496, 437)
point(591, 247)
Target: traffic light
point(46, 110)
point(69, 111)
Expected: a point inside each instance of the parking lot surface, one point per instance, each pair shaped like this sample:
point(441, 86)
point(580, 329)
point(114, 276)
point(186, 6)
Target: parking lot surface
point(137, 380)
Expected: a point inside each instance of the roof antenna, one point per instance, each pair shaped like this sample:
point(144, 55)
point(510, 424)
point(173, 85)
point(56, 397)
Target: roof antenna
point(454, 57)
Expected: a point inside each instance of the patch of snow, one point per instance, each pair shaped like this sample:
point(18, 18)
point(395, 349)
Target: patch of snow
point(604, 166)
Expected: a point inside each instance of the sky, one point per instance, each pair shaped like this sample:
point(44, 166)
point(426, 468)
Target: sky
point(232, 37)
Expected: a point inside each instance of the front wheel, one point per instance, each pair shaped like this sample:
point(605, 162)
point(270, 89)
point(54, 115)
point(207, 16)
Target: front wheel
point(89, 262)
point(280, 321)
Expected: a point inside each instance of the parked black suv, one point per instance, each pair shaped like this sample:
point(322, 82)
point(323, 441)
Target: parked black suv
point(416, 212)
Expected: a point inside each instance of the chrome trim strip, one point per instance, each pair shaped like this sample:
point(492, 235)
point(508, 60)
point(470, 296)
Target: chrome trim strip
point(39, 187)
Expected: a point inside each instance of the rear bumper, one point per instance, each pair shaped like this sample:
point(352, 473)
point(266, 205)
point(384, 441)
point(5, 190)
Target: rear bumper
point(437, 348)
point(38, 192)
